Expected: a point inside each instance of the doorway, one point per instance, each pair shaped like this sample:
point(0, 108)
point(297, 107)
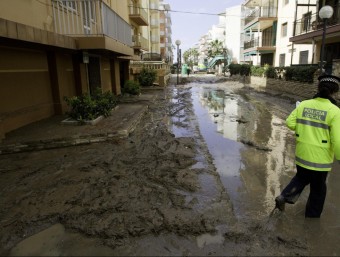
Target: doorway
point(94, 77)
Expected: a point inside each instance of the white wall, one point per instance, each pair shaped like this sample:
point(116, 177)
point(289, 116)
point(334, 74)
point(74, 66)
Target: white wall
point(233, 32)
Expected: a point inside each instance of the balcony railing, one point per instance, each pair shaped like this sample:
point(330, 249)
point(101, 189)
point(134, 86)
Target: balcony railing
point(257, 42)
point(140, 42)
point(139, 15)
point(89, 18)
point(312, 23)
point(263, 11)
point(252, 43)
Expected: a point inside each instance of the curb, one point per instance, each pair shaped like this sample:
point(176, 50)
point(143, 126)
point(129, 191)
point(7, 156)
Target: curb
point(73, 141)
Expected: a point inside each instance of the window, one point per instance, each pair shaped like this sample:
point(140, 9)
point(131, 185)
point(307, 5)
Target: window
point(284, 30)
point(282, 60)
point(303, 57)
point(306, 21)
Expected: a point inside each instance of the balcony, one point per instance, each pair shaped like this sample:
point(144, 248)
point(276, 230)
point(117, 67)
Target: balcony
point(91, 21)
point(140, 42)
point(312, 23)
point(138, 15)
point(252, 43)
point(155, 39)
point(258, 13)
point(259, 43)
point(309, 29)
point(154, 7)
point(154, 23)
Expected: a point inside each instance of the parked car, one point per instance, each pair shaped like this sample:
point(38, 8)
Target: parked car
point(195, 69)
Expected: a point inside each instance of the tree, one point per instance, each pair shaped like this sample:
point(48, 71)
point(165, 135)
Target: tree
point(215, 48)
point(190, 56)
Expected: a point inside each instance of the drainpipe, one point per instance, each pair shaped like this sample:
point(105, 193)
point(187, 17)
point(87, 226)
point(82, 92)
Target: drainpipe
point(313, 47)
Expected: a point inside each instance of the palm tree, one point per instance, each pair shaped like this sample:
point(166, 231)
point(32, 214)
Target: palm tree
point(215, 48)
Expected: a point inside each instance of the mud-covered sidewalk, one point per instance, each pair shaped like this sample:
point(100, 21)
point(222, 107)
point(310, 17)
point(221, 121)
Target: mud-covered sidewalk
point(139, 195)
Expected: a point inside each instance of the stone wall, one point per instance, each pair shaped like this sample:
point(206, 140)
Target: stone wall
point(162, 69)
point(293, 89)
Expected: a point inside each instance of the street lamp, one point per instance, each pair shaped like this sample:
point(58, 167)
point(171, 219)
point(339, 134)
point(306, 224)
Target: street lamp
point(224, 60)
point(178, 42)
point(325, 13)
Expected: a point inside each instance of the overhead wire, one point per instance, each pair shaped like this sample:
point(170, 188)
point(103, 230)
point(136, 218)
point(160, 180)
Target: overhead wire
point(197, 13)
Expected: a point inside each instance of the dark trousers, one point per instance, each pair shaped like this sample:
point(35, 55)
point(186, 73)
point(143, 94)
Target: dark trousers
point(317, 194)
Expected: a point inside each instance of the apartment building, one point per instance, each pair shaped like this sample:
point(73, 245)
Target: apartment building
point(259, 31)
point(51, 49)
point(308, 29)
point(139, 20)
point(288, 53)
point(203, 48)
point(271, 30)
point(233, 33)
point(165, 33)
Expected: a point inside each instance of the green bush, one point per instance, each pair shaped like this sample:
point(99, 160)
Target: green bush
point(87, 107)
point(245, 70)
point(234, 68)
point(270, 72)
point(147, 77)
point(131, 87)
point(289, 71)
point(257, 71)
point(105, 102)
point(242, 69)
point(300, 73)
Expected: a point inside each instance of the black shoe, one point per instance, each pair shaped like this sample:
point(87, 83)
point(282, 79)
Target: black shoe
point(280, 203)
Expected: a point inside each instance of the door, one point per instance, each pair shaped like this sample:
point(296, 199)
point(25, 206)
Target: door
point(94, 74)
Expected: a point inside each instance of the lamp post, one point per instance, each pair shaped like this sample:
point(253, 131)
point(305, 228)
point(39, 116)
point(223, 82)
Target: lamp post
point(224, 60)
point(325, 13)
point(178, 42)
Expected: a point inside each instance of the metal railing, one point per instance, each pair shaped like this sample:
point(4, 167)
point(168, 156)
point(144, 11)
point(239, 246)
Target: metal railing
point(257, 42)
point(312, 23)
point(89, 18)
point(252, 43)
point(263, 11)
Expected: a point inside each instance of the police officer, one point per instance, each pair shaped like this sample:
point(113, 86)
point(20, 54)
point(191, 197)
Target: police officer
point(316, 123)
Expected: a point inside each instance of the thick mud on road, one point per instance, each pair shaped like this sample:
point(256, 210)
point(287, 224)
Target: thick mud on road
point(197, 177)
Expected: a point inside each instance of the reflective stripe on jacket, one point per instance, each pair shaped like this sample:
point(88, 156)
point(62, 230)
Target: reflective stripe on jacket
point(316, 123)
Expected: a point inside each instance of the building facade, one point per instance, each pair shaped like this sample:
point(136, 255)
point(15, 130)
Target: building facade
point(51, 49)
point(259, 31)
point(309, 27)
point(165, 33)
point(288, 53)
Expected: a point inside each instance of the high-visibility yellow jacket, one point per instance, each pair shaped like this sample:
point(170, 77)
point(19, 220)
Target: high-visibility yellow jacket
point(316, 123)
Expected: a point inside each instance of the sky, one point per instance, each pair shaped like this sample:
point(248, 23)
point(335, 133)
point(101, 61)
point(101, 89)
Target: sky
point(188, 28)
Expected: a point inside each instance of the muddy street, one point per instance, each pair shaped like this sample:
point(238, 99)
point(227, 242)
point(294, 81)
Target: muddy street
point(198, 176)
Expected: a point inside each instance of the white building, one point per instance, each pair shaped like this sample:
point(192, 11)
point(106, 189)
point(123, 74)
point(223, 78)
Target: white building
point(268, 27)
point(233, 33)
point(288, 53)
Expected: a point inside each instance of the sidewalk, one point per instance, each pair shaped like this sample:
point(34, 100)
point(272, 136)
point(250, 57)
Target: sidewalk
point(51, 133)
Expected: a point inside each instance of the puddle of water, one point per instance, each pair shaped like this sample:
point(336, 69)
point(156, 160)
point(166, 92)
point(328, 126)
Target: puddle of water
point(248, 147)
point(255, 161)
point(55, 241)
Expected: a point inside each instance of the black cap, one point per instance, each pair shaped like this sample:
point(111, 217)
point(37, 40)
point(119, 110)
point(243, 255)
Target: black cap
point(329, 78)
